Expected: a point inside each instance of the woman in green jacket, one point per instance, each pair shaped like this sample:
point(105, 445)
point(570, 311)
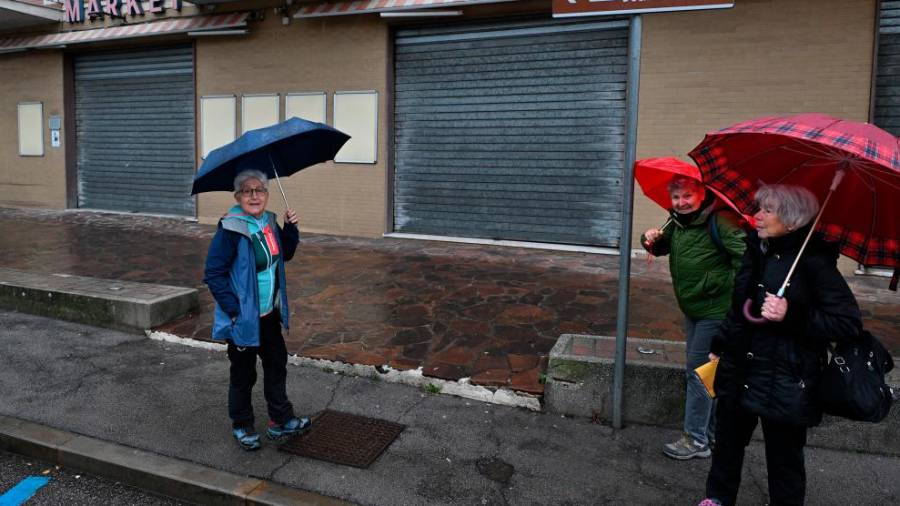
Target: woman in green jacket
point(703, 278)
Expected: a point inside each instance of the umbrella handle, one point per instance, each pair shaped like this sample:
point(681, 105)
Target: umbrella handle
point(749, 316)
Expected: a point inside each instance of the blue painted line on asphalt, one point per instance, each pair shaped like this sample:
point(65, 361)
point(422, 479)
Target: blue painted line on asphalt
point(23, 491)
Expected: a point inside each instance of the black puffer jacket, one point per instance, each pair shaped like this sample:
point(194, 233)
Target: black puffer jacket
point(773, 369)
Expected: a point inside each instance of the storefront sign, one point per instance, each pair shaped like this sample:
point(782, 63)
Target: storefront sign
point(565, 8)
point(77, 11)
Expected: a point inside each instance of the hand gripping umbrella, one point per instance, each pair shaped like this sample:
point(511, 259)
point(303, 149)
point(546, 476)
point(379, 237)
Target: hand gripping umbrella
point(277, 150)
point(854, 163)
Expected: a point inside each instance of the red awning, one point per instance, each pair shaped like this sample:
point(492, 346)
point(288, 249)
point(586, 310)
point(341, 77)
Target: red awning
point(130, 31)
point(343, 8)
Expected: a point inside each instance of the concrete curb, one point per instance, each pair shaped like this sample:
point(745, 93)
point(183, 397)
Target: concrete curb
point(412, 377)
point(110, 303)
point(149, 471)
point(580, 377)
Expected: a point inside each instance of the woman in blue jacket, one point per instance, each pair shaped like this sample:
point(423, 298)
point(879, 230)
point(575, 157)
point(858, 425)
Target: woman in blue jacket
point(245, 274)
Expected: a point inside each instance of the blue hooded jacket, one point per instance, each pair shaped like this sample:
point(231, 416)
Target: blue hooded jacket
point(230, 274)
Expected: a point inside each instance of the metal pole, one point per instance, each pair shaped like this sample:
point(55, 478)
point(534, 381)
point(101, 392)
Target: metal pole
point(278, 180)
point(838, 177)
point(634, 79)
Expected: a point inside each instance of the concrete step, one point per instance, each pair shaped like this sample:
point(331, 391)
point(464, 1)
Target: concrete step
point(580, 377)
point(123, 305)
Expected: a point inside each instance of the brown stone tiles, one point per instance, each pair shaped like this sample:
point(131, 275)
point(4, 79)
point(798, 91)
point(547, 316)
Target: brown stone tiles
point(488, 313)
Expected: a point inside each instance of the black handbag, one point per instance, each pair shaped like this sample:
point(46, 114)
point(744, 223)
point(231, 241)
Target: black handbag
point(852, 383)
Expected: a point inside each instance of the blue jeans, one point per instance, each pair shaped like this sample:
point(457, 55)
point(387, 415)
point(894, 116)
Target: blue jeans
point(699, 421)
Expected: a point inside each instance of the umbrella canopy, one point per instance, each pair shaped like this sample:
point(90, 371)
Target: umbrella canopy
point(809, 150)
point(277, 150)
point(654, 175)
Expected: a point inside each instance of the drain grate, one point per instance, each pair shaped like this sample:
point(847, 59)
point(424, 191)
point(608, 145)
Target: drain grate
point(342, 438)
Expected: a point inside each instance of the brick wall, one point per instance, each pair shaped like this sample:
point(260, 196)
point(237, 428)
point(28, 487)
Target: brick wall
point(331, 54)
point(29, 181)
point(704, 70)
point(700, 71)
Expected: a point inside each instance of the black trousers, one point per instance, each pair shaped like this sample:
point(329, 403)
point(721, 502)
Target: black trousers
point(784, 457)
point(272, 352)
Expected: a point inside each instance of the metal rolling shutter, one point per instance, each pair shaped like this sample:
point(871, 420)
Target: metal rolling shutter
point(135, 128)
point(513, 131)
point(887, 80)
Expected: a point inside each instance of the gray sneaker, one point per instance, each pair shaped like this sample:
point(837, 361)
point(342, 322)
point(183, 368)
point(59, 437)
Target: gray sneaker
point(686, 448)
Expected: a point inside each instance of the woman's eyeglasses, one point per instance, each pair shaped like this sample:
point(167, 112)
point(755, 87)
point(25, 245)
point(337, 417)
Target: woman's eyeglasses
point(253, 192)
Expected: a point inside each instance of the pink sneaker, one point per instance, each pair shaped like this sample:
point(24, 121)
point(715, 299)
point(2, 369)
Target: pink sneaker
point(710, 502)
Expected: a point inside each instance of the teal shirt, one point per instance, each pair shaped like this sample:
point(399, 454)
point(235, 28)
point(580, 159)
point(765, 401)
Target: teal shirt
point(265, 250)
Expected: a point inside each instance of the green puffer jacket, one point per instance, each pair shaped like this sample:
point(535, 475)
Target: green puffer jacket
point(702, 277)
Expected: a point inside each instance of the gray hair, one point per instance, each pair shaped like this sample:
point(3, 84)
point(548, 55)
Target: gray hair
point(244, 175)
point(682, 183)
point(795, 205)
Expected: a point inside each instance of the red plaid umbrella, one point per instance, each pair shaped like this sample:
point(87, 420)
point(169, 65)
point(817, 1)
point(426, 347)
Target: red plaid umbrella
point(809, 150)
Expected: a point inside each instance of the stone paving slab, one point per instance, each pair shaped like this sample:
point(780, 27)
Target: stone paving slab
point(488, 313)
point(97, 301)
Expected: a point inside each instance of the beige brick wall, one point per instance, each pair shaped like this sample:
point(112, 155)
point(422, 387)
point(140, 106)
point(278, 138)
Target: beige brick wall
point(29, 181)
point(699, 71)
point(333, 54)
point(704, 70)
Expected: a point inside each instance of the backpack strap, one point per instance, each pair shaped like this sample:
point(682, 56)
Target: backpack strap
point(712, 226)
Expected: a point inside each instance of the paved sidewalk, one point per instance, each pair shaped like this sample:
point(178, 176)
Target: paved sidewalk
point(169, 400)
point(457, 310)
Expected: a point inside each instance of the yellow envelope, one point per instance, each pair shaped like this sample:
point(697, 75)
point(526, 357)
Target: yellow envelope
point(707, 373)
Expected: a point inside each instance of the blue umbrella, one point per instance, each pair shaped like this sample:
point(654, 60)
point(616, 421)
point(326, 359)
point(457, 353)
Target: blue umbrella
point(277, 150)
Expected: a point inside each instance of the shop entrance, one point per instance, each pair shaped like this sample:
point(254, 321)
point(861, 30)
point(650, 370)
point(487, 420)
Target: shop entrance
point(886, 113)
point(134, 115)
point(511, 131)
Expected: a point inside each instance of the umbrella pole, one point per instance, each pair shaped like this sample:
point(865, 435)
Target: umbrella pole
point(838, 176)
point(278, 180)
point(666, 224)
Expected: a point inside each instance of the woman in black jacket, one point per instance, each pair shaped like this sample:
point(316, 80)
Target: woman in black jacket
point(768, 372)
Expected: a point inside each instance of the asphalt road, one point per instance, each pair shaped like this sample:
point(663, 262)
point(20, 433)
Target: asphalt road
point(70, 487)
point(170, 399)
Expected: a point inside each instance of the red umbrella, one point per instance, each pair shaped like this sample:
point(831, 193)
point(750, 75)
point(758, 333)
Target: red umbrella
point(856, 163)
point(655, 174)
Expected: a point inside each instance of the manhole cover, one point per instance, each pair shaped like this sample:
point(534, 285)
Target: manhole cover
point(342, 438)
point(495, 469)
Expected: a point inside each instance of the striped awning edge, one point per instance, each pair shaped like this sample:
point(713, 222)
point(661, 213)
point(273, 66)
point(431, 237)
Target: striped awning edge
point(165, 27)
point(346, 7)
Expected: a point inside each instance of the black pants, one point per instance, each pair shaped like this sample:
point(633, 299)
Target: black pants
point(784, 457)
point(273, 354)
